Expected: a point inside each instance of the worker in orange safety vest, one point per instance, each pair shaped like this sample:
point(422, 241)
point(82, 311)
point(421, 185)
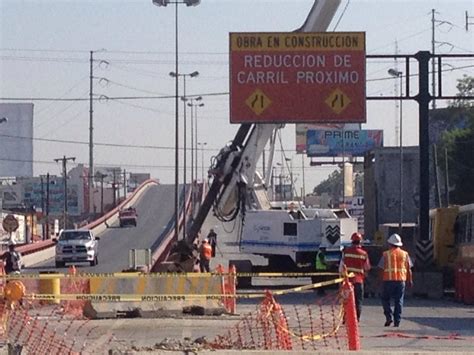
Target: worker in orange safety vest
point(205, 254)
point(356, 260)
point(396, 265)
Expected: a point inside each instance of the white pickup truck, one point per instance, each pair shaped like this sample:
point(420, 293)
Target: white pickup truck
point(76, 245)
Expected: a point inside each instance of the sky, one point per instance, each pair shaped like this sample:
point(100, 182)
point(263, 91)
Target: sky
point(45, 47)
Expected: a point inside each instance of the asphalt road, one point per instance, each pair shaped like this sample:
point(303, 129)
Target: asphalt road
point(154, 209)
point(433, 326)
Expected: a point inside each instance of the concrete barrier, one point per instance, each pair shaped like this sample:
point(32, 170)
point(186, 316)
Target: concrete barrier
point(168, 286)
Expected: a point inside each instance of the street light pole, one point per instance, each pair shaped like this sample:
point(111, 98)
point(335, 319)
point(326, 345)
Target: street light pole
point(193, 104)
point(398, 74)
point(185, 152)
point(202, 145)
point(196, 133)
point(176, 155)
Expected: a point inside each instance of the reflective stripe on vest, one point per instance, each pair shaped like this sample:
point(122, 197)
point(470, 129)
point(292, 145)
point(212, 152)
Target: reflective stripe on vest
point(395, 265)
point(355, 256)
point(354, 259)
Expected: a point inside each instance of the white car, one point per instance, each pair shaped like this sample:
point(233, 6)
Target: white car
point(76, 245)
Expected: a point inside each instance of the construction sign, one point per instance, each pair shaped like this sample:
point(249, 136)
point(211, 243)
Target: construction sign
point(297, 77)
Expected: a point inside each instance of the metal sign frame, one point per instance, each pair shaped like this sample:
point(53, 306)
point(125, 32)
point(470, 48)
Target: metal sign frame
point(423, 97)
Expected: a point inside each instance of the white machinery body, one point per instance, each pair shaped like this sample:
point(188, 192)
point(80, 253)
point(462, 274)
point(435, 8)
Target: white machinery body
point(275, 232)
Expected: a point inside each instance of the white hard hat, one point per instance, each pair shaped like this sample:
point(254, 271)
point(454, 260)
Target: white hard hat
point(395, 239)
point(205, 240)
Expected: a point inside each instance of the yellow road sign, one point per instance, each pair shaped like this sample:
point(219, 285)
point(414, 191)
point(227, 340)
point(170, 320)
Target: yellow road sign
point(258, 101)
point(338, 101)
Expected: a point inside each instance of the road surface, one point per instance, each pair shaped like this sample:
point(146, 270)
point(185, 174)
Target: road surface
point(155, 211)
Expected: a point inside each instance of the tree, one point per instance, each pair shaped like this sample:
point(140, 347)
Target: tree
point(459, 145)
point(465, 88)
point(332, 185)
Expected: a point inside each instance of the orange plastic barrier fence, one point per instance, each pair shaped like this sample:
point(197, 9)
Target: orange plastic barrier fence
point(228, 287)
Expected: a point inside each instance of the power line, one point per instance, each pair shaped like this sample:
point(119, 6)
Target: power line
point(69, 60)
point(116, 145)
point(109, 51)
point(132, 87)
point(166, 167)
point(106, 97)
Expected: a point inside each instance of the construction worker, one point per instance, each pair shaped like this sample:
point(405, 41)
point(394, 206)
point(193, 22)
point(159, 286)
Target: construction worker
point(13, 263)
point(396, 265)
point(205, 254)
point(321, 266)
point(212, 237)
point(356, 260)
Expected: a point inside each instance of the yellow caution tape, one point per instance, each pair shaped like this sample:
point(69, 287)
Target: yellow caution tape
point(131, 275)
point(170, 297)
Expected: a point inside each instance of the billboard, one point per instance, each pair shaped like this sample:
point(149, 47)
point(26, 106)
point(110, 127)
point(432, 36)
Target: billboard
point(333, 143)
point(111, 174)
point(35, 195)
point(16, 139)
point(297, 77)
point(302, 128)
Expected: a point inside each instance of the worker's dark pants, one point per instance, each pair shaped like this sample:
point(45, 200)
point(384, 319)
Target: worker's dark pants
point(393, 290)
point(316, 279)
point(359, 297)
point(213, 246)
point(204, 265)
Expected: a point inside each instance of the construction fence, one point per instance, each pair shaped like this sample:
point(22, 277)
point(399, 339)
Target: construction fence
point(41, 322)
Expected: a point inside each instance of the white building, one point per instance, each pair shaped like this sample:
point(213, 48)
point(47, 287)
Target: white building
point(16, 139)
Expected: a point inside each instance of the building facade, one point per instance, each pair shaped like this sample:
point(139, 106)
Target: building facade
point(16, 139)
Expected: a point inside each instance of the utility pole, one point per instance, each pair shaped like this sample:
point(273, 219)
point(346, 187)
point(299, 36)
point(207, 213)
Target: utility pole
point(64, 161)
point(114, 187)
point(47, 205)
point(42, 204)
point(467, 21)
point(102, 176)
point(42, 194)
point(124, 183)
point(397, 103)
point(91, 128)
point(433, 74)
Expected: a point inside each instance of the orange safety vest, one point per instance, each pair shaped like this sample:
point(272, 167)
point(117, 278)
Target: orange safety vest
point(395, 265)
point(355, 258)
point(206, 251)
